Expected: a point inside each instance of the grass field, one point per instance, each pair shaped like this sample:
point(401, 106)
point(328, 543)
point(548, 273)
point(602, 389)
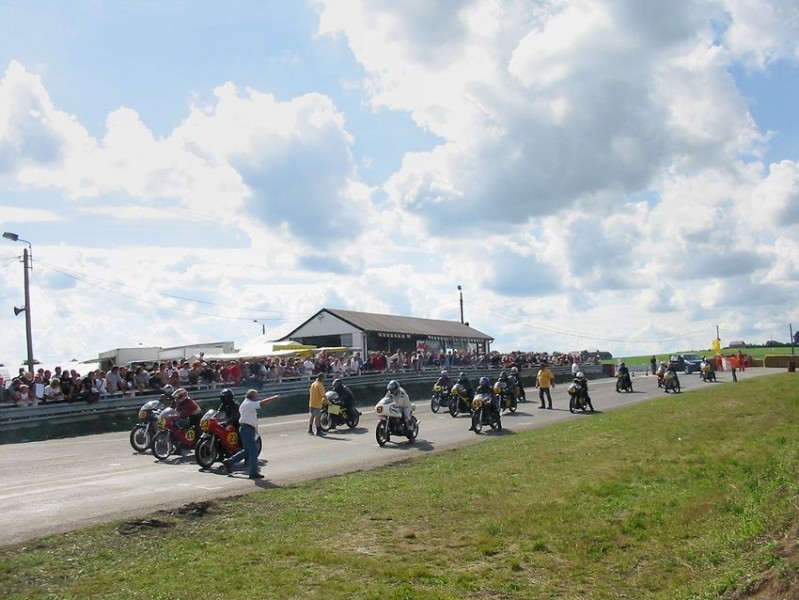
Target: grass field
point(687, 496)
point(754, 352)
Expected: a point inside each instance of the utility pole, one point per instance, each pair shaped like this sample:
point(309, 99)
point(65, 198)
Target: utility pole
point(27, 264)
point(460, 293)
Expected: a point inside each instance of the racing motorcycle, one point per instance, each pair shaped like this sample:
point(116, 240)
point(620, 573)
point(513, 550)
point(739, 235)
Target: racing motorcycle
point(671, 383)
point(459, 400)
point(174, 433)
point(485, 411)
point(334, 414)
point(506, 395)
point(707, 372)
point(623, 383)
point(143, 432)
point(440, 397)
point(392, 423)
point(578, 397)
point(219, 439)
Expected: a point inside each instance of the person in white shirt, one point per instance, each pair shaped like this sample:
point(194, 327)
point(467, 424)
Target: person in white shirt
point(248, 430)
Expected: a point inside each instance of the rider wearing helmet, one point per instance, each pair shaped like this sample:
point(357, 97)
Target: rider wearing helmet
point(345, 397)
point(444, 381)
point(464, 381)
point(403, 401)
point(167, 395)
point(624, 372)
point(484, 386)
point(188, 408)
point(228, 405)
point(516, 383)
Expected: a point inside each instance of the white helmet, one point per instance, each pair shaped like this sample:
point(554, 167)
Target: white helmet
point(580, 375)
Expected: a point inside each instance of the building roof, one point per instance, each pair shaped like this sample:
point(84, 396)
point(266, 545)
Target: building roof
point(373, 322)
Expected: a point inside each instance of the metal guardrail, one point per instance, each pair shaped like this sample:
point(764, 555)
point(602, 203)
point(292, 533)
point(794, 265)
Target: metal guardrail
point(12, 417)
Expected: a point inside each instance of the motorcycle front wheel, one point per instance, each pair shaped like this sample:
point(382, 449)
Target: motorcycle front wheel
point(435, 404)
point(324, 420)
point(572, 404)
point(162, 445)
point(477, 421)
point(206, 452)
point(381, 433)
point(453, 406)
point(140, 438)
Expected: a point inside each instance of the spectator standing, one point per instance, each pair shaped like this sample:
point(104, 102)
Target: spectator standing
point(52, 392)
point(316, 400)
point(544, 380)
point(248, 429)
point(575, 367)
point(653, 364)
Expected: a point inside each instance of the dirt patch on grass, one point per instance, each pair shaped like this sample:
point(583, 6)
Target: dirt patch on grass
point(780, 581)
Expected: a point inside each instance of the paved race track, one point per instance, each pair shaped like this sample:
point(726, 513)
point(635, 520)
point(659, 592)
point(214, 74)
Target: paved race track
point(61, 485)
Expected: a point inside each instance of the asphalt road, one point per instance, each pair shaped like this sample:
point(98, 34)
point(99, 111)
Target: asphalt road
point(62, 485)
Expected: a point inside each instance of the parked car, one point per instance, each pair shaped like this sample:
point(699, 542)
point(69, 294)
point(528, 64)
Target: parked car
point(689, 363)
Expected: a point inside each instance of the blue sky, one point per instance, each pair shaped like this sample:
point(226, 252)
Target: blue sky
point(607, 174)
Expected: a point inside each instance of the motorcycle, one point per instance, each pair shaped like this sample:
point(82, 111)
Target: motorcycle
point(623, 383)
point(707, 372)
point(440, 397)
point(334, 414)
point(459, 400)
point(173, 434)
point(579, 398)
point(392, 423)
point(219, 439)
point(485, 411)
point(143, 432)
point(671, 383)
point(506, 396)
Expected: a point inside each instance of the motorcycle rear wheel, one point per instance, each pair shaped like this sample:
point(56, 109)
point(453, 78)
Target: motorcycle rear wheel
point(162, 445)
point(496, 423)
point(353, 422)
point(513, 405)
point(206, 452)
point(381, 433)
point(140, 438)
point(414, 431)
point(477, 421)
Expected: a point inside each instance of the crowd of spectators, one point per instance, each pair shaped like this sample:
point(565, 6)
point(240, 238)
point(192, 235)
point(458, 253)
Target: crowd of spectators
point(67, 385)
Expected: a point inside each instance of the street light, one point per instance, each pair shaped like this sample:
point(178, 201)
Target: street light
point(27, 264)
point(263, 326)
point(461, 295)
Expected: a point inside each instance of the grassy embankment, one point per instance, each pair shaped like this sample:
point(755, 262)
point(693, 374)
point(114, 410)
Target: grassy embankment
point(753, 352)
point(687, 496)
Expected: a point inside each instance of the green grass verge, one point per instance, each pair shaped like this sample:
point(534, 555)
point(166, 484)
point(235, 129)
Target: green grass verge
point(753, 352)
point(682, 497)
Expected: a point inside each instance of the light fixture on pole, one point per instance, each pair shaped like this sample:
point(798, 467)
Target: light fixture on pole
point(27, 264)
point(263, 326)
point(461, 299)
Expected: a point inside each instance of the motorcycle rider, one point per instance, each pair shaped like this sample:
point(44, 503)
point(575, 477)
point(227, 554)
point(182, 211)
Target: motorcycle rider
point(188, 408)
point(583, 382)
point(228, 405)
point(444, 381)
point(516, 383)
point(661, 373)
point(345, 397)
point(464, 381)
point(398, 394)
point(484, 387)
point(167, 395)
point(624, 373)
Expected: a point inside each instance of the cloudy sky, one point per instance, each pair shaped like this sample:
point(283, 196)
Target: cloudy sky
point(614, 174)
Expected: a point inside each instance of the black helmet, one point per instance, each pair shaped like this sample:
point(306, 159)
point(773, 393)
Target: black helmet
point(484, 380)
point(461, 375)
point(337, 383)
point(227, 395)
point(168, 390)
point(503, 375)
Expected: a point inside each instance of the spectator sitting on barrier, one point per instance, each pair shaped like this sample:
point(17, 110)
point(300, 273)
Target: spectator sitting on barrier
point(23, 396)
point(113, 381)
point(141, 380)
point(99, 383)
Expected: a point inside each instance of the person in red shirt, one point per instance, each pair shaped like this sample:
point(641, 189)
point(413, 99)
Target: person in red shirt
point(188, 408)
